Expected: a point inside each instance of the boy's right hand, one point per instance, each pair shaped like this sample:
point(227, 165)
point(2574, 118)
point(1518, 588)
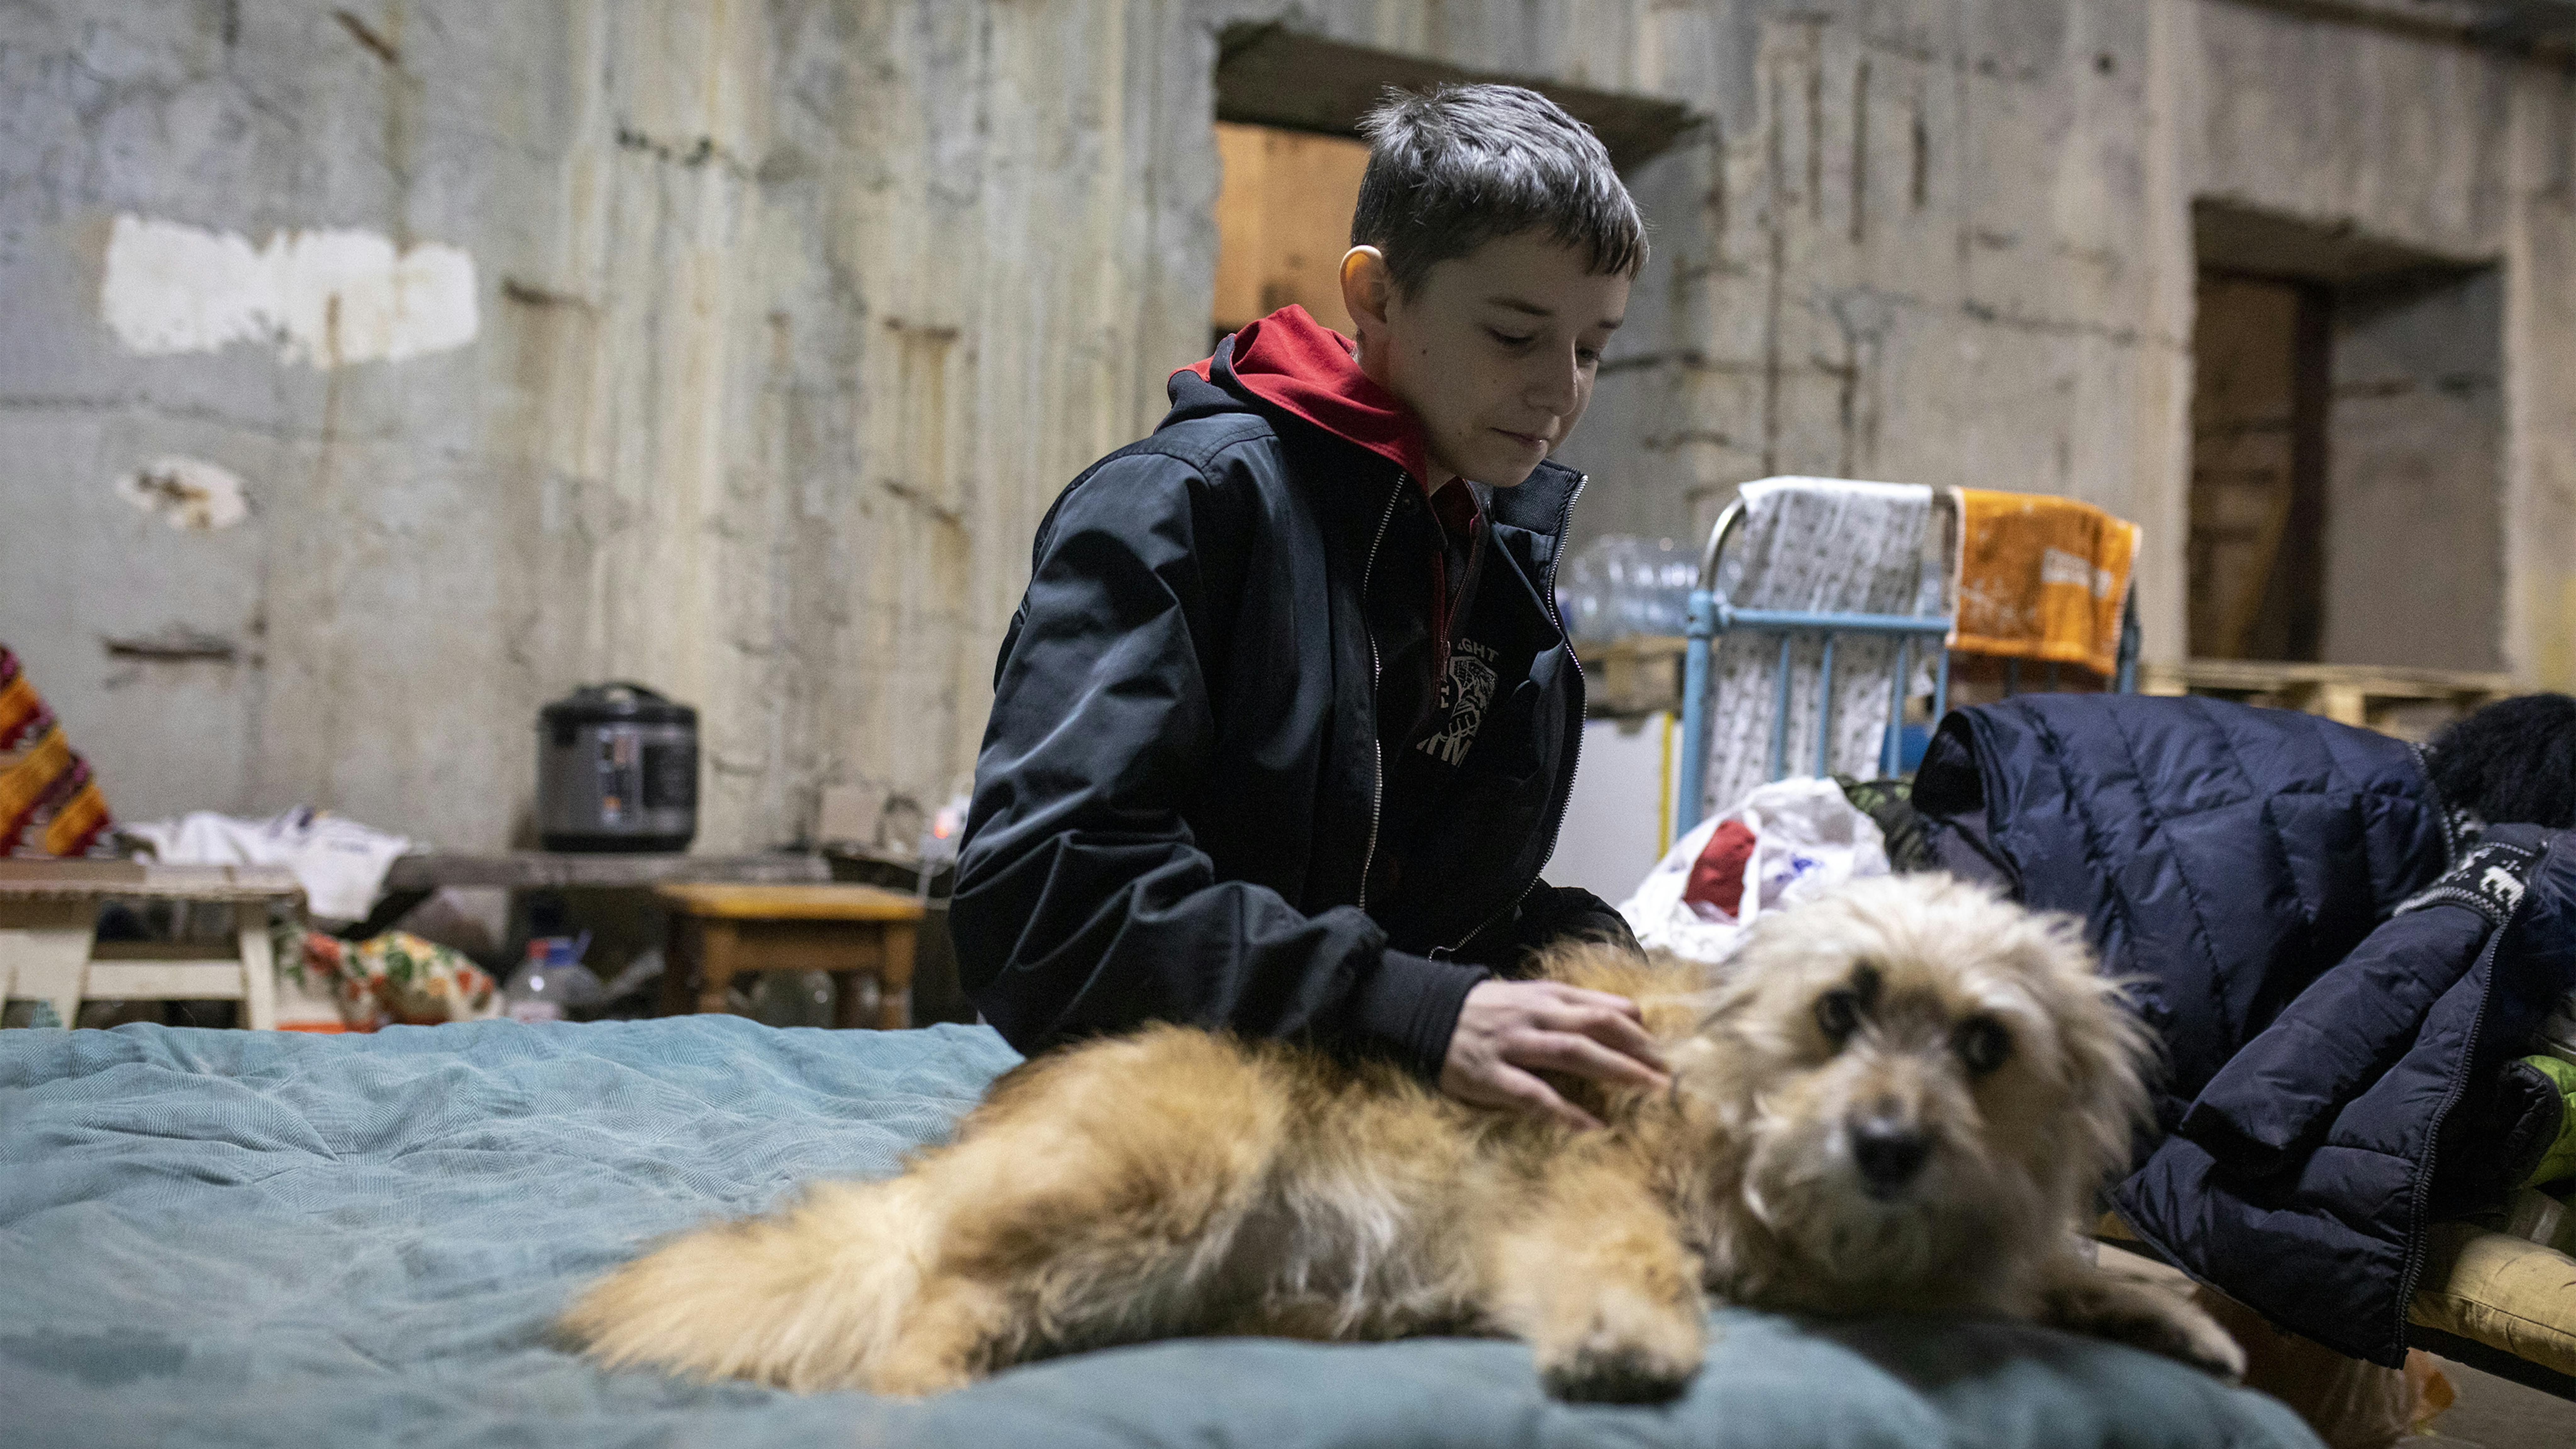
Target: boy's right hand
point(1508, 1031)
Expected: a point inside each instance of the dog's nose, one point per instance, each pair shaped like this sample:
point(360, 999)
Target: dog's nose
point(1889, 1152)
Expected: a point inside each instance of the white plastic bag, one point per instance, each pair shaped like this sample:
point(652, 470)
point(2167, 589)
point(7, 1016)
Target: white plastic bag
point(1808, 838)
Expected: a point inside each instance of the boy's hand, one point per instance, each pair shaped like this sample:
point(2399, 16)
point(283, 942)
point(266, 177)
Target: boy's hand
point(1510, 1030)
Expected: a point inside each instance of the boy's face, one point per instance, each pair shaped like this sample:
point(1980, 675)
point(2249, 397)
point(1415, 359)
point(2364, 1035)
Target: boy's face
point(1495, 351)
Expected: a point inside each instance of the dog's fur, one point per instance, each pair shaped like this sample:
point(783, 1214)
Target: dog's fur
point(1178, 1182)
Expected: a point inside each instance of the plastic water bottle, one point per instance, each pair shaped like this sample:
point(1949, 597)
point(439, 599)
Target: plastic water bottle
point(941, 839)
point(1583, 593)
point(1671, 574)
point(552, 984)
point(785, 998)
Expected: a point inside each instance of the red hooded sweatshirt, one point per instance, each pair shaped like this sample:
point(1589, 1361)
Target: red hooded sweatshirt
point(1304, 368)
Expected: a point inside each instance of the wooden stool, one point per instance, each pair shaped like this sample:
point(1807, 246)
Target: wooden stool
point(848, 930)
point(49, 949)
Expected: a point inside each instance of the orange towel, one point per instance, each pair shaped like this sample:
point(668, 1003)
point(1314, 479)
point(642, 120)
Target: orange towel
point(49, 805)
point(2042, 578)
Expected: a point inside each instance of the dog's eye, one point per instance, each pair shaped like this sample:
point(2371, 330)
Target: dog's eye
point(1838, 1014)
point(1982, 1043)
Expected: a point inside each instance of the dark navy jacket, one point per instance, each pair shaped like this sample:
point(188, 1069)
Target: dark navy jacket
point(1185, 808)
point(2335, 974)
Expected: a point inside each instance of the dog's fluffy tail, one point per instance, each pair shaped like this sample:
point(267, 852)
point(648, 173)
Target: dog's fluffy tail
point(809, 1298)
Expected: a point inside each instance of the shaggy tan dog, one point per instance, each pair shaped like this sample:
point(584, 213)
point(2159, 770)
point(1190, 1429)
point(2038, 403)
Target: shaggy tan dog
point(1900, 1098)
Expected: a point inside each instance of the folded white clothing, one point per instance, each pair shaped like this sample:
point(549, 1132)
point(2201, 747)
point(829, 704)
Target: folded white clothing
point(340, 863)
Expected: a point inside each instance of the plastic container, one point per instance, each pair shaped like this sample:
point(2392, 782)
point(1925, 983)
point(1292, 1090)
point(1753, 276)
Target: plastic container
point(552, 984)
point(2540, 1217)
point(1619, 585)
point(2557, 1035)
point(1659, 577)
point(785, 998)
point(1583, 595)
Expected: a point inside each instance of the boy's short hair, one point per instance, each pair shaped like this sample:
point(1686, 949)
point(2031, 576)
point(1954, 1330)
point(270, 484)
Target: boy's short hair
point(1464, 165)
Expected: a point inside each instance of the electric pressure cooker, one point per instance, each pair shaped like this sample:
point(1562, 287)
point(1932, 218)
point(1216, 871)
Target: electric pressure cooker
point(617, 769)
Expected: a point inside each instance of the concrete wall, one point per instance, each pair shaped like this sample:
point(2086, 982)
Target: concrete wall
point(2415, 537)
point(2245, 472)
point(1919, 242)
point(789, 319)
point(2447, 150)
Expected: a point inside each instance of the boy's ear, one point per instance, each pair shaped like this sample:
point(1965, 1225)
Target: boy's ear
point(1367, 286)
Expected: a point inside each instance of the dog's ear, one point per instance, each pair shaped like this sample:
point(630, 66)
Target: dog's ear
point(2106, 1050)
point(1668, 989)
point(1701, 1069)
point(1730, 995)
point(1604, 966)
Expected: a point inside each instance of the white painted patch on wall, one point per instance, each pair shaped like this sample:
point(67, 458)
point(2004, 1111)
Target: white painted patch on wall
point(187, 492)
point(320, 297)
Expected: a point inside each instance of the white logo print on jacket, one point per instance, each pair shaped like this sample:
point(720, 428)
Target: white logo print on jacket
point(1464, 694)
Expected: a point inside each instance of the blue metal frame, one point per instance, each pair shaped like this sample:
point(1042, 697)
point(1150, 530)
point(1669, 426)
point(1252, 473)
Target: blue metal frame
point(1709, 615)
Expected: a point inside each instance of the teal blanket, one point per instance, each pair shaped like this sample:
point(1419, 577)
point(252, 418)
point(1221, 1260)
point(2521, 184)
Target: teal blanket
point(238, 1238)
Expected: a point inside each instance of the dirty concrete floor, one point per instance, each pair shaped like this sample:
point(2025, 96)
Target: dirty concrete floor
point(2494, 1413)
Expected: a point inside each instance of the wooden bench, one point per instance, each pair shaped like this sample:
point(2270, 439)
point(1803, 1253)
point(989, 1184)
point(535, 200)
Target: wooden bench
point(413, 878)
point(2498, 1303)
point(852, 931)
point(50, 951)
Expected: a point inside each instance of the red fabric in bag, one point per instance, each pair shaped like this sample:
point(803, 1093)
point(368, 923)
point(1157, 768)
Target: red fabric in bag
point(1717, 877)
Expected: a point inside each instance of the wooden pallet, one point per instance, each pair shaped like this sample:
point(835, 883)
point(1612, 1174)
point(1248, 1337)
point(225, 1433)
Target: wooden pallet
point(1634, 675)
point(2368, 695)
point(1643, 673)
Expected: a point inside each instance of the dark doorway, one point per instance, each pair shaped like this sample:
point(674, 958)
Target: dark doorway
point(1272, 75)
point(1283, 220)
point(1288, 108)
point(2347, 489)
point(2261, 381)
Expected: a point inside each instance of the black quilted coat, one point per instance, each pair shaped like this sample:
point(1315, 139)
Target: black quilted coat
point(1185, 806)
point(2337, 973)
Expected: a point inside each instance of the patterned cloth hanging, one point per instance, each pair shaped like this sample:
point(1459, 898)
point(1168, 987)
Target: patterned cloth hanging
point(1821, 545)
point(49, 803)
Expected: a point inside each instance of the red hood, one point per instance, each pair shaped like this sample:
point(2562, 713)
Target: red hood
point(1297, 364)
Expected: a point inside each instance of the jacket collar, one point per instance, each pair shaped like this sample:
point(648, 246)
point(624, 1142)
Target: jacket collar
point(1308, 371)
point(1288, 362)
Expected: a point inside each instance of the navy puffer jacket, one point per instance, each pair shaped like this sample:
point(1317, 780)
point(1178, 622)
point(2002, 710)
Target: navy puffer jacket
point(2334, 974)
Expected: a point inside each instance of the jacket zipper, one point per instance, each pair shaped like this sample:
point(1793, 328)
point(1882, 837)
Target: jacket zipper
point(1574, 757)
point(2421, 1199)
point(1377, 742)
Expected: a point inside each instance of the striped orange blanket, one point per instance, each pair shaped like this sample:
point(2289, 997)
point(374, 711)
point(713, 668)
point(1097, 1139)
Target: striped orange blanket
point(49, 804)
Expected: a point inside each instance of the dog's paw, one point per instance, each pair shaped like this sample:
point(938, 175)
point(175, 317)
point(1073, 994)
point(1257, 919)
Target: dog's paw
point(1618, 1373)
point(2182, 1331)
point(1631, 1352)
point(2149, 1317)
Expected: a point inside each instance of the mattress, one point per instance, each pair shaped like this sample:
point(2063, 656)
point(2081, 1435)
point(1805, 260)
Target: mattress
point(240, 1238)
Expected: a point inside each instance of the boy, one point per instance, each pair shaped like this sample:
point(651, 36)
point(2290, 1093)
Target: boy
point(1284, 727)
